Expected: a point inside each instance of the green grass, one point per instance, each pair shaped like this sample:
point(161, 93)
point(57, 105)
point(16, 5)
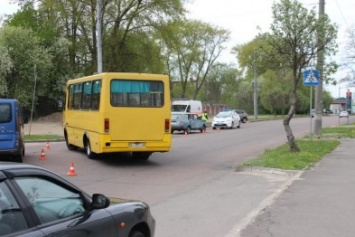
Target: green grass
point(264, 117)
point(42, 137)
point(282, 158)
point(311, 150)
point(340, 132)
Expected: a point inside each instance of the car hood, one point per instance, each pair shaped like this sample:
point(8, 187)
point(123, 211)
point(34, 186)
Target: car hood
point(222, 119)
point(118, 205)
point(114, 200)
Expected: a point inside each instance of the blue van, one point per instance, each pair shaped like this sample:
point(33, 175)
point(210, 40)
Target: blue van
point(12, 123)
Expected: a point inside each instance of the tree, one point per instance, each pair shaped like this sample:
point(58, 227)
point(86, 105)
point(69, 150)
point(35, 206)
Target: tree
point(253, 60)
point(193, 50)
point(67, 29)
point(24, 59)
point(128, 28)
point(44, 28)
point(274, 91)
point(293, 41)
point(5, 67)
point(349, 59)
point(221, 86)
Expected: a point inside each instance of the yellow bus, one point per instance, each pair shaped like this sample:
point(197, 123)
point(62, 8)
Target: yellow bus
point(118, 112)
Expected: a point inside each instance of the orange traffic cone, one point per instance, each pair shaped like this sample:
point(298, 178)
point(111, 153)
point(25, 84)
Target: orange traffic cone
point(43, 155)
point(71, 171)
point(48, 147)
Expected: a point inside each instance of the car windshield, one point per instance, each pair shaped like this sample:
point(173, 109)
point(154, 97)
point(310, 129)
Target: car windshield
point(178, 108)
point(225, 114)
point(176, 116)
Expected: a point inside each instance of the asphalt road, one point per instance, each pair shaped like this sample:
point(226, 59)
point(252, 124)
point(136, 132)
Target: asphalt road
point(193, 190)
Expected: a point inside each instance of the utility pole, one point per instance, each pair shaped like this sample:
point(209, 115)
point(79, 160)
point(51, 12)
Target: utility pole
point(319, 89)
point(98, 36)
point(255, 90)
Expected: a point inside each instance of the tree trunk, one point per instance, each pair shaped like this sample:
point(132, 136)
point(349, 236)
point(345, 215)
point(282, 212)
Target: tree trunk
point(290, 137)
point(287, 127)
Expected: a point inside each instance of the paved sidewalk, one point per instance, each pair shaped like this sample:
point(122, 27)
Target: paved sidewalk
point(319, 203)
point(44, 128)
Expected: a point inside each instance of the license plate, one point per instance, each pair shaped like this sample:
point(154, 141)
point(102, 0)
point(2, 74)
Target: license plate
point(136, 144)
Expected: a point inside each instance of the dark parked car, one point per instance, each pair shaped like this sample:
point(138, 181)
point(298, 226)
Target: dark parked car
point(242, 114)
point(37, 202)
point(186, 122)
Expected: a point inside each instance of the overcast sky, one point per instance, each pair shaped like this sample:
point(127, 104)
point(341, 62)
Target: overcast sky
point(242, 18)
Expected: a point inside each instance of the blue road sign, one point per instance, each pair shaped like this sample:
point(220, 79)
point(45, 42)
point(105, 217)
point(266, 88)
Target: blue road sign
point(311, 77)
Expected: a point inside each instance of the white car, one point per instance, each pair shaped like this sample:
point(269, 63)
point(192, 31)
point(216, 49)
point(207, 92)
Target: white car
point(226, 119)
point(344, 114)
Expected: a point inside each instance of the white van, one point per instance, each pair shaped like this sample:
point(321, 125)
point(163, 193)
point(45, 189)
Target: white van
point(187, 106)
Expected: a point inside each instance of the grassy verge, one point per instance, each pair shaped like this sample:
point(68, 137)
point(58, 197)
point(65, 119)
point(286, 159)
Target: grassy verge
point(264, 117)
point(281, 157)
point(312, 150)
point(28, 138)
point(347, 131)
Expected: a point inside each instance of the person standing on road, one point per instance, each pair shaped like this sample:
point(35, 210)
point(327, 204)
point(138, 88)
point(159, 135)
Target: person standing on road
point(204, 116)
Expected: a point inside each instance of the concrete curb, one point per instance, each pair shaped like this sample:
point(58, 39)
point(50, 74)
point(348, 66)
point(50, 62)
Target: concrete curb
point(293, 176)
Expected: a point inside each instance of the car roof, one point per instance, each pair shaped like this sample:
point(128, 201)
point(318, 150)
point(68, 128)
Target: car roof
point(11, 165)
point(226, 111)
point(7, 166)
point(175, 112)
point(8, 100)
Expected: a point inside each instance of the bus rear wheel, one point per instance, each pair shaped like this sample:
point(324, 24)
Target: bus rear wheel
point(89, 152)
point(69, 146)
point(141, 155)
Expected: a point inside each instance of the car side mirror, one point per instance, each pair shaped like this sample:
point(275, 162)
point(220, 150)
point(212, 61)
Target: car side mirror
point(99, 201)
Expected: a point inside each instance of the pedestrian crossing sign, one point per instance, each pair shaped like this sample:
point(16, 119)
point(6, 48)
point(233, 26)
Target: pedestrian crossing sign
point(311, 77)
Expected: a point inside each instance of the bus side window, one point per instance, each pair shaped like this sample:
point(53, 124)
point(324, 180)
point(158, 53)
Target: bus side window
point(133, 99)
point(77, 96)
point(87, 94)
point(96, 93)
